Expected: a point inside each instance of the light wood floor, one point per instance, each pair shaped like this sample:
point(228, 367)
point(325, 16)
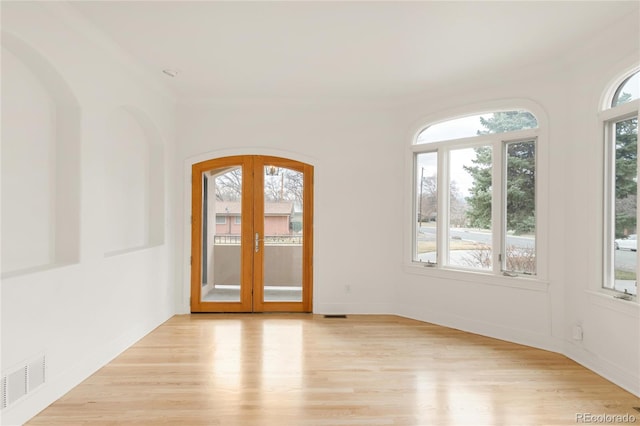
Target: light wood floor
point(297, 369)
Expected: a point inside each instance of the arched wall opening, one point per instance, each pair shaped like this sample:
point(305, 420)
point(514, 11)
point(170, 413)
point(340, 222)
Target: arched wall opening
point(40, 163)
point(134, 182)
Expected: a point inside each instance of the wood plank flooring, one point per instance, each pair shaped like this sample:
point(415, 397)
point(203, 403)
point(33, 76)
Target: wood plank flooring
point(303, 369)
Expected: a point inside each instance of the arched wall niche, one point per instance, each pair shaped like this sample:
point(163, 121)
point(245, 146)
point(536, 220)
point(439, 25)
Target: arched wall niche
point(133, 182)
point(40, 163)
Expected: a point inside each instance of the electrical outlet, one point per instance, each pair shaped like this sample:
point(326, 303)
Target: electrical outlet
point(576, 333)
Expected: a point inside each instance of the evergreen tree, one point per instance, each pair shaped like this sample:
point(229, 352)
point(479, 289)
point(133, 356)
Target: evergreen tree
point(520, 175)
point(479, 202)
point(626, 174)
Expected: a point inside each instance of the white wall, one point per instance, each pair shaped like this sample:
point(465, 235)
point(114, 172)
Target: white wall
point(28, 150)
point(83, 308)
point(126, 162)
point(82, 314)
point(357, 154)
point(611, 344)
point(543, 313)
point(363, 177)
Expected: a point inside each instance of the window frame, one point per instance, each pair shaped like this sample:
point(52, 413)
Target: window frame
point(494, 276)
point(608, 118)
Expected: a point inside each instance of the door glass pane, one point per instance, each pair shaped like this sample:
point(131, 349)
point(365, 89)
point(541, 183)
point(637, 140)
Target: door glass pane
point(427, 207)
point(283, 195)
point(221, 254)
point(520, 238)
point(470, 208)
point(626, 181)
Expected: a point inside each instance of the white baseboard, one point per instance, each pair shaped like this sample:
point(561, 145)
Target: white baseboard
point(496, 331)
point(610, 371)
point(352, 308)
point(59, 384)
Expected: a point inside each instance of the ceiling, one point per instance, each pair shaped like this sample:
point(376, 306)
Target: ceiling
point(345, 49)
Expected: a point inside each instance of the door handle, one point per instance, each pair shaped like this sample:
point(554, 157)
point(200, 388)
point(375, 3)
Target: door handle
point(257, 242)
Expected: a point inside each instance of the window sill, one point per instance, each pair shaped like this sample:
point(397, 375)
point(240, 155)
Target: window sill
point(520, 282)
point(130, 250)
point(608, 301)
point(35, 269)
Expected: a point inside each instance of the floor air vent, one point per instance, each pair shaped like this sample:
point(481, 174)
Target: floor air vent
point(21, 381)
point(335, 316)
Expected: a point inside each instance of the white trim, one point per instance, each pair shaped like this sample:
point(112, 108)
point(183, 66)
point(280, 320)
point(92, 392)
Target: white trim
point(479, 140)
point(616, 374)
point(506, 104)
point(607, 120)
point(621, 112)
point(477, 277)
point(488, 329)
point(59, 384)
point(614, 84)
point(353, 308)
point(608, 301)
point(540, 135)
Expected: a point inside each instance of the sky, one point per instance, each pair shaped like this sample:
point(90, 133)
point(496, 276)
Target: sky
point(467, 127)
point(452, 129)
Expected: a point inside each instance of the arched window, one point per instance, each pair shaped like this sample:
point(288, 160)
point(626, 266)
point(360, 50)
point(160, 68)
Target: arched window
point(478, 124)
point(620, 123)
point(475, 193)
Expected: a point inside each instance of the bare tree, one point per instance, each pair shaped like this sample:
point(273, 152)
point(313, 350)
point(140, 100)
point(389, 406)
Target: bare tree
point(293, 185)
point(286, 185)
point(519, 259)
point(274, 187)
point(229, 185)
point(457, 206)
point(428, 201)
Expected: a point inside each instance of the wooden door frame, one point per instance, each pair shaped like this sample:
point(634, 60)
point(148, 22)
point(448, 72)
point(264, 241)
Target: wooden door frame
point(307, 231)
point(196, 233)
point(252, 290)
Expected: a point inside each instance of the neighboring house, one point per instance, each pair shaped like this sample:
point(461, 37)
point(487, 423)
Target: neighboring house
point(296, 219)
point(277, 221)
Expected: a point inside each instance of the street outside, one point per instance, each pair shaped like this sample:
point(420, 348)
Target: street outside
point(624, 260)
point(463, 251)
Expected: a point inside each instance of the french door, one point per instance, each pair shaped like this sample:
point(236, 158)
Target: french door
point(251, 235)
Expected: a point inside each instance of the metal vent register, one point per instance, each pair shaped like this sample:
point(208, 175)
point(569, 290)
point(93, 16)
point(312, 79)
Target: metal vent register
point(21, 380)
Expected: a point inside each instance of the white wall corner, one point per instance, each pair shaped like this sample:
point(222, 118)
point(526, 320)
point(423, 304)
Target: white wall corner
point(628, 380)
point(58, 385)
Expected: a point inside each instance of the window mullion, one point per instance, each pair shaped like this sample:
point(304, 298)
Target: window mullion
point(442, 224)
point(609, 213)
point(498, 213)
point(637, 192)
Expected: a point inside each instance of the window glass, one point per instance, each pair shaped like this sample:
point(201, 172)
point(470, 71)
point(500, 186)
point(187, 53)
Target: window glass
point(627, 91)
point(470, 189)
point(481, 225)
point(625, 205)
point(427, 211)
point(479, 124)
point(520, 235)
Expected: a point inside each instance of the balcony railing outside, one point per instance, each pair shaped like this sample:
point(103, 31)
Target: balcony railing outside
point(225, 239)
